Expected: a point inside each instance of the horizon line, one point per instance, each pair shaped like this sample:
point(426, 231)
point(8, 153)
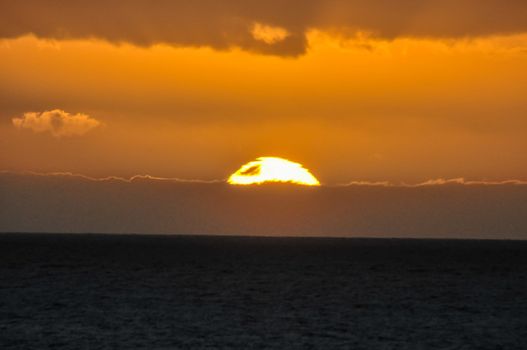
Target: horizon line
point(234, 235)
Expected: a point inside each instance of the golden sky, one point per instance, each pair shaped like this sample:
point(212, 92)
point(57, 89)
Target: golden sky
point(354, 90)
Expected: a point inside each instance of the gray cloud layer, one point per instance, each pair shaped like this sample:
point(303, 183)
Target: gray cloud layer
point(228, 23)
point(33, 203)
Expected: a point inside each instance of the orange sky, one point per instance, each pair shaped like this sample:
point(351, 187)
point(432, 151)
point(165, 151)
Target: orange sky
point(405, 98)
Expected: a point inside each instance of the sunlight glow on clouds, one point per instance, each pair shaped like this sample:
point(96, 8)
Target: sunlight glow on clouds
point(268, 34)
point(58, 122)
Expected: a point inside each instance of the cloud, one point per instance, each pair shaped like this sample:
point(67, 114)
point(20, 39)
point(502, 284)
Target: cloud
point(437, 182)
point(268, 34)
point(229, 23)
point(462, 181)
point(58, 122)
point(66, 174)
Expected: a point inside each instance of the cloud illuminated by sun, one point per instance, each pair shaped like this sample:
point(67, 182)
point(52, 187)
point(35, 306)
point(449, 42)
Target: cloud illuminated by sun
point(272, 169)
point(268, 34)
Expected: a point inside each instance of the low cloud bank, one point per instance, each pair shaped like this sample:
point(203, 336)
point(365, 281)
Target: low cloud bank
point(74, 204)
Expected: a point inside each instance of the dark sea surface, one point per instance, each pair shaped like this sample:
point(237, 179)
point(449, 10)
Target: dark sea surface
point(178, 292)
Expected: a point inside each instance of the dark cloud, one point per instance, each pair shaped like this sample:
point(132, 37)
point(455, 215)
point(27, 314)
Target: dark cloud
point(455, 209)
point(254, 170)
point(229, 23)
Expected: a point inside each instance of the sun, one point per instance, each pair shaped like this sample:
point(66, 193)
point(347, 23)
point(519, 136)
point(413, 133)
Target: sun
point(272, 169)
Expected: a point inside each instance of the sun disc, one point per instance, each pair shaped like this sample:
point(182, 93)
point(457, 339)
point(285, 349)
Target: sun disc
point(272, 169)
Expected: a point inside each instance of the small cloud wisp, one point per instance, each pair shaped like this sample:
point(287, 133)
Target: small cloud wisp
point(57, 122)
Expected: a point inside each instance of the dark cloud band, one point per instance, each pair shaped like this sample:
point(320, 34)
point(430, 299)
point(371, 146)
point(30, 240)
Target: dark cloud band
point(226, 24)
point(440, 209)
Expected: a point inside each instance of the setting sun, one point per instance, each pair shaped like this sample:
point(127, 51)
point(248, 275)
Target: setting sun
point(272, 169)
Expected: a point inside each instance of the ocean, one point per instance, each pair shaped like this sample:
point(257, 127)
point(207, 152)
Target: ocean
point(83, 291)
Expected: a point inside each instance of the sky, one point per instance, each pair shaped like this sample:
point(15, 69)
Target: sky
point(129, 117)
point(403, 92)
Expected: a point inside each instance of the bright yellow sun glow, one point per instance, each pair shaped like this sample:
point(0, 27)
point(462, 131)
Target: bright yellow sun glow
point(272, 169)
